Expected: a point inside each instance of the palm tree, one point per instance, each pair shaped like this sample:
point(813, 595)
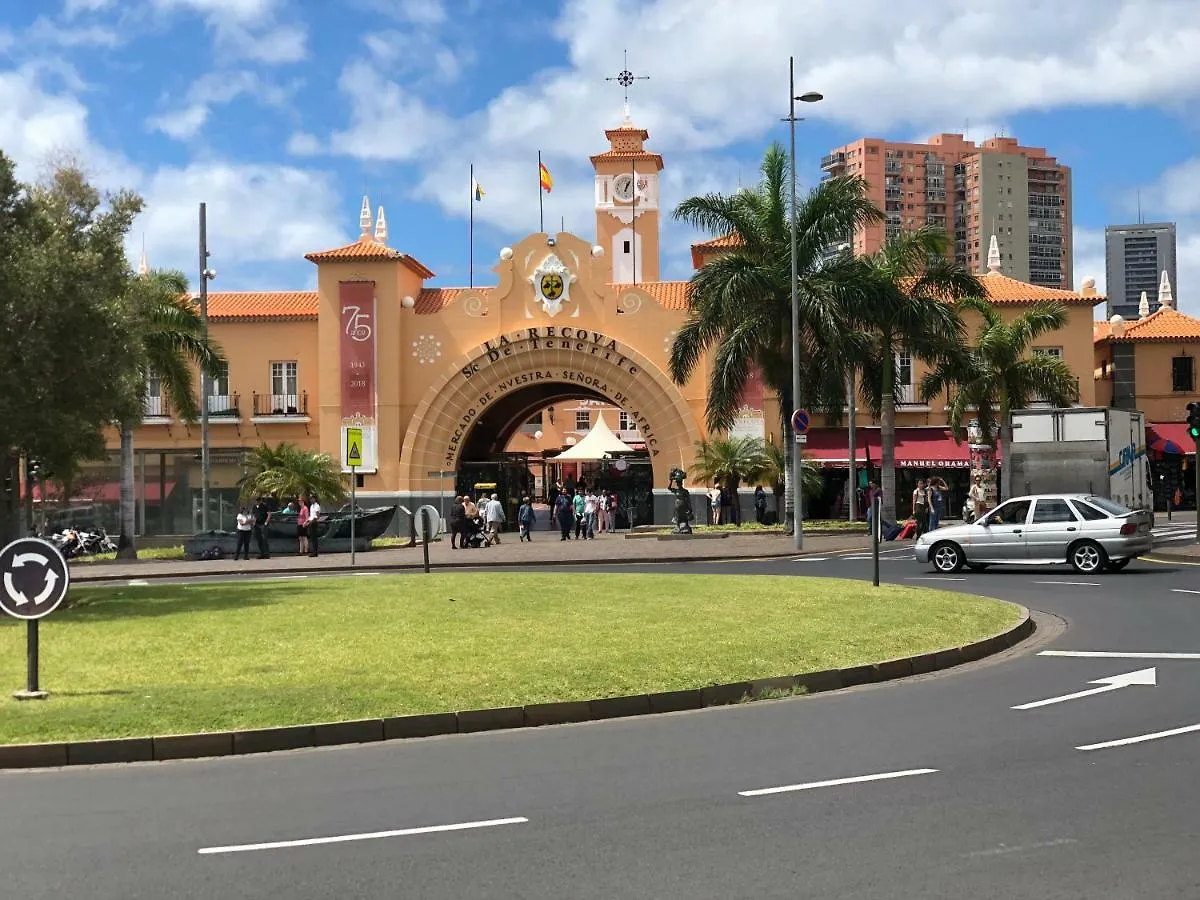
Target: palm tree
point(285, 471)
point(172, 341)
point(995, 375)
point(740, 302)
point(779, 467)
point(731, 461)
point(905, 299)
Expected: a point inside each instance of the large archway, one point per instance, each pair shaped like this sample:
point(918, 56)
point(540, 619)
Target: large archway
point(572, 361)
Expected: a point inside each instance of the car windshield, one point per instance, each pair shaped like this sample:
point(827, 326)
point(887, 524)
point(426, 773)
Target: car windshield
point(1110, 507)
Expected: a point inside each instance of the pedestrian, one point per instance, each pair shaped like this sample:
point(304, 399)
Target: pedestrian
point(714, 502)
point(578, 504)
point(525, 519)
point(920, 507)
point(262, 517)
point(245, 522)
point(977, 499)
point(564, 513)
point(591, 507)
point(602, 511)
point(302, 516)
point(731, 513)
point(458, 534)
point(936, 486)
point(314, 517)
point(494, 518)
point(614, 510)
point(760, 504)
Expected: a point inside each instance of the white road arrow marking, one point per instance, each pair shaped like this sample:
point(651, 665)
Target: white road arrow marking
point(20, 559)
point(18, 598)
point(1112, 683)
point(51, 580)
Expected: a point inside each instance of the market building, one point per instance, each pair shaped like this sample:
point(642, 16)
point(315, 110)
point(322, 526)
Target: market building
point(455, 387)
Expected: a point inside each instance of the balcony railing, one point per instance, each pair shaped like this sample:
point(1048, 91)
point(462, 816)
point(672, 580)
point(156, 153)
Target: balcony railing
point(155, 408)
point(281, 405)
point(226, 406)
point(906, 395)
point(892, 166)
point(833, 160)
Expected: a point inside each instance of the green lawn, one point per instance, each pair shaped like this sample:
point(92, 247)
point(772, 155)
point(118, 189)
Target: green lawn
point(168, 659)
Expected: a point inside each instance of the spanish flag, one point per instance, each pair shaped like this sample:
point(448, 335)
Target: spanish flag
point(477, 189)
point(546, 179)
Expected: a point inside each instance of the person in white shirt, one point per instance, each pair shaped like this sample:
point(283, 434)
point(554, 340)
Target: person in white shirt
point(602, 512)
point(494, 517)
point(591, 504)
point(314, 514)
point(714, 500)
point(245, 522)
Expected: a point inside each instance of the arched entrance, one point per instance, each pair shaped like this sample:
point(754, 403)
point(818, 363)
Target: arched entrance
point(555, 361)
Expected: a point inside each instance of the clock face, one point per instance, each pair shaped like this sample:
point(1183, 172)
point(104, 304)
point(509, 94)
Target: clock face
point(623, 187)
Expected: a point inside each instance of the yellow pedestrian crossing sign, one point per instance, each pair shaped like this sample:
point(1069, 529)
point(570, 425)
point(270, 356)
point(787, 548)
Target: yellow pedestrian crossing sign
point(354, 444)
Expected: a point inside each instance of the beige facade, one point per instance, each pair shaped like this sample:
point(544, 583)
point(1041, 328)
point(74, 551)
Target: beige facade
point(442, 379)
point(972, 191)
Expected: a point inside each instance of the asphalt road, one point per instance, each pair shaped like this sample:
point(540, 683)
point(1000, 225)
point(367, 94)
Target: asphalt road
point(984, 800)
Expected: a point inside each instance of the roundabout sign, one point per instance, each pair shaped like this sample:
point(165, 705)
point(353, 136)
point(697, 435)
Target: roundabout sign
point(34, 579)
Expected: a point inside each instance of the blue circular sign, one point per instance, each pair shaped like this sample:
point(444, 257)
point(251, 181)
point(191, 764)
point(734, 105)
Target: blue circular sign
point(800, 420)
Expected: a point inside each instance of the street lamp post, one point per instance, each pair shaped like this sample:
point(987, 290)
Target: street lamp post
point(206, 274)
point(797, 456)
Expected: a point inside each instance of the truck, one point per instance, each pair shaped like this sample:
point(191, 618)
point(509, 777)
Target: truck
point(1090, 450)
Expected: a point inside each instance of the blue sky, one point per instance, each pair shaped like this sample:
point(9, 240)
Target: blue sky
point(280, 114)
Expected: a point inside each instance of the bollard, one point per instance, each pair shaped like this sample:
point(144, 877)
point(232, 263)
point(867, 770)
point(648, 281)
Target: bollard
point(425, 529)
point(876, 536)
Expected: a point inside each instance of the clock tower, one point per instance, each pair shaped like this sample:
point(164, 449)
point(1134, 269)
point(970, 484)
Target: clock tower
point(627, 205)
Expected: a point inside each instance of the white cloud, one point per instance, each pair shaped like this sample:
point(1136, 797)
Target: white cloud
point(1176, 192)
point(304, 144)
point(211, 90)
point(182, 124)
point(73, 8)
point(1087, 250)
point(388, 122)
point(241, 10)
point(246, 29)
point(36, 124)
point(46, 33)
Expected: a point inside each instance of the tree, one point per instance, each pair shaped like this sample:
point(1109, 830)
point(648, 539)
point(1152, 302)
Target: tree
point(995, 375)
point(172, 341)
point(64, 323)
point(731, 461)
point(905, 299)
point(739, 304)
point(285, 471)
point(778, 468)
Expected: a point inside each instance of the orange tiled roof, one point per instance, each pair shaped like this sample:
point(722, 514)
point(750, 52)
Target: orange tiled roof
point(724, 242)
point(1002, 289)
point(262, 305)
point(625, 129)
point(367, 249)
point(1165, 324)
point(629, 154)
point(1100, 331)
point(669, 294)
point(434, 300)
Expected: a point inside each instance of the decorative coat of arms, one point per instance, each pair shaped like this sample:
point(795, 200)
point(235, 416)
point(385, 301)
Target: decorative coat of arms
point(552, 282)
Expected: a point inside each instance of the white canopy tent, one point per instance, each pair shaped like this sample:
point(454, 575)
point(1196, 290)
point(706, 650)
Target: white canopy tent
point(599, 443)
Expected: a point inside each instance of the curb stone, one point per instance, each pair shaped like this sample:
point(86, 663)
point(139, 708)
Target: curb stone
point(326, 734)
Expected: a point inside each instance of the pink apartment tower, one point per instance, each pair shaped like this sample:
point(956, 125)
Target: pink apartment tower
point(1020, 194)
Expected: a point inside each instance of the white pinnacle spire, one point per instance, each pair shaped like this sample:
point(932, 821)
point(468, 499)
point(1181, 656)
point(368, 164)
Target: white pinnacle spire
point(1144, 306)
point(364, 217)
point(381, 228)
point(143, 268)
point(1165, 297)
point(993, 259)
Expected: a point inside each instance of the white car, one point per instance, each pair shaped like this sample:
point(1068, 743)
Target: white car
point(1092, 534)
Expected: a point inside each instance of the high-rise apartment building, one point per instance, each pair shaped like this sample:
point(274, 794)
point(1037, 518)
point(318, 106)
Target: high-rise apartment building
point(1135, 256)
point(973, 191)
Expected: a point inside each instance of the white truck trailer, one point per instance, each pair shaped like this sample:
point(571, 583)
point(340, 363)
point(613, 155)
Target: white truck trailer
point(1093, 450)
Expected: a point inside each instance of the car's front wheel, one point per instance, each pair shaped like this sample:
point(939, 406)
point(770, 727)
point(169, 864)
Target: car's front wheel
point(1088, 558)
point(946, 557)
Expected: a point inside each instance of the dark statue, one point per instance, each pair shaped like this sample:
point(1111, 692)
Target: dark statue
point(683, 502)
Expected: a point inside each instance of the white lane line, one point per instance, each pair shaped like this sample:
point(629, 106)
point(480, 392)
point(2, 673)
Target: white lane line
point(364, 574)
point(933, 578)
point(368, 836)
point(810, 559)
point(1079, 583)
point(1183, 591)
point(1141, 738)
point(138, 584)
point(1109, 654)
point(1005, 849)
point(284, 578)
point(787, 788)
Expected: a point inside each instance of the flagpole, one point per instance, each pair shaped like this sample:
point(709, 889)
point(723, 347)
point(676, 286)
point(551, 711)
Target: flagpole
point(471, 231)
point(541, 212)
point(633, 220)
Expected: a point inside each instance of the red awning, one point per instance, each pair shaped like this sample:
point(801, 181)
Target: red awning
point(830, 446)
point(930, 448)
point(1170, 437)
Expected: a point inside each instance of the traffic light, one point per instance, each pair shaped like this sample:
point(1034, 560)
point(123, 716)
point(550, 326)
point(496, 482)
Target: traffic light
point(1193, 421)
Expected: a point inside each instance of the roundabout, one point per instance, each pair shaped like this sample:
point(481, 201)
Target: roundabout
point(176, 659)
